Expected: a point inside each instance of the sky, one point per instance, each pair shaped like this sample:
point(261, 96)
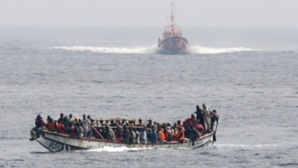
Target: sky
point(190, 13)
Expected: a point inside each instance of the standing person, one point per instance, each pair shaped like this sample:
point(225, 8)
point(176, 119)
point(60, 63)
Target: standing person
point(61, 118)
point(71, 119)
point(125, 135)
point(143, 136)
point(214, 117)
point(207, 118)
point(110, 133)
point(90, 126)
point(199, 116)
point(85, 124)
point(118, 134)
point(131, 136)
point(154, 135)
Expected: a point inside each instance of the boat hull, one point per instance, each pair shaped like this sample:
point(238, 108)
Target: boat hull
point(173, 45)
point(55, 142)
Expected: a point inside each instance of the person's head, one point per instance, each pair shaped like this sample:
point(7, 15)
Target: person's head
point(70, 115)
point(61, 115)
point(88, 116)
point(140, 121)
point(84, 116)
point(38, 117)
point(192, 116)
point(204, 106)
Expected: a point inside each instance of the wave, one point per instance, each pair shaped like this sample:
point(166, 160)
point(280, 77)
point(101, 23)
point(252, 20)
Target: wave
point(152, 49)
point(210, 50)
point(116, 50)
point(113, 149)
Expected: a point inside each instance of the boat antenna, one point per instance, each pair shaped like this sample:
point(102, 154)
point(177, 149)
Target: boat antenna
point(172, 17)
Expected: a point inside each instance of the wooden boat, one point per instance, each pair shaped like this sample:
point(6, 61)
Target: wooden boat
point(56, 142)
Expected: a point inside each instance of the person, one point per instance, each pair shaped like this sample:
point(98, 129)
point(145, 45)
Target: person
point(137, 135)
point(125, 134)
point(179, 123)
point(149, 125)
point(71, 119)
point(168, 134)
point(61, 118)
point(60, 127)
point(190, 121)
point(199, 116)
point(51, 124)
point(66, 124)
point(161, 135)
point(143, 136)
point(201, 129)
point(140, 123)
point(207, 118)
point(110, 133)
point(214, 118)
point(90, 126)
point(118, 134)
point(154, 136)
point(86, 123)
point(131, 136)
point(180, 135)
point(78, 130)
point(39, 125)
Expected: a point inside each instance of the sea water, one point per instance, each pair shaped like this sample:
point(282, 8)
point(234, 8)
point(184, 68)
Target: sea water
point(248, 75)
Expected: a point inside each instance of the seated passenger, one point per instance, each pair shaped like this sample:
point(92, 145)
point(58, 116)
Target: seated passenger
point(60, 128)
point(51, 125)
point(180, 135)
point(190, 121)
point(161, 136)
point(39, 125)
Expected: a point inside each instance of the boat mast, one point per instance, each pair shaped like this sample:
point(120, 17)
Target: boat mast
point(172, 17)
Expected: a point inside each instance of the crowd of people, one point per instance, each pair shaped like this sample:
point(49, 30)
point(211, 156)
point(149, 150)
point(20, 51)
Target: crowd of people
point(130, 131)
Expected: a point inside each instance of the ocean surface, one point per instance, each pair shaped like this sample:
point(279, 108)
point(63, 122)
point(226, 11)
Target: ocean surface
point(249, 75)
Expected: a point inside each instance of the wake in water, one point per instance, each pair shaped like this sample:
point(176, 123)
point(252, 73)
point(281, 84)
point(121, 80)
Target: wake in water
point(118, 149)
point(209, 50)
point(115, 50)
point(152, 50)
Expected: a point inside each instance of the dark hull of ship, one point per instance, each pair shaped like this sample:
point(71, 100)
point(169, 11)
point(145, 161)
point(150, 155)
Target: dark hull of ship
point(173, 45)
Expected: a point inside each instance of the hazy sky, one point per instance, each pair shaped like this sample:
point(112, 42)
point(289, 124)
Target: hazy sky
point(191, 13)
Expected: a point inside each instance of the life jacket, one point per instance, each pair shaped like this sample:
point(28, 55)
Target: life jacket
point(60, 128)
point(189, 121)
point(52, 126)
point(181, 136)
point(201, 128)
point(167, 135)
point(161, 135)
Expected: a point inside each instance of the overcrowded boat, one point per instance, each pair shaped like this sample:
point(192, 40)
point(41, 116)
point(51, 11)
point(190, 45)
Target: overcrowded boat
point(68, 133)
